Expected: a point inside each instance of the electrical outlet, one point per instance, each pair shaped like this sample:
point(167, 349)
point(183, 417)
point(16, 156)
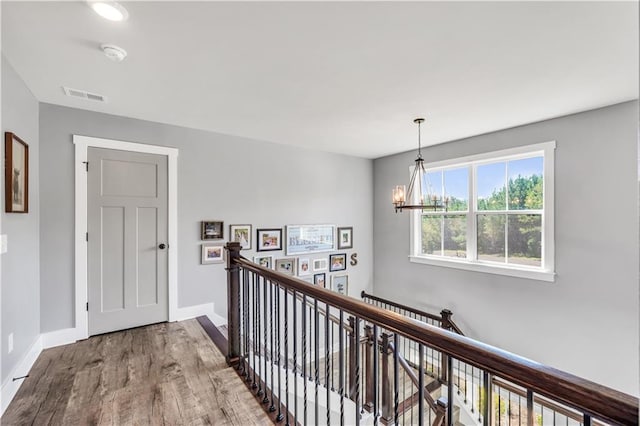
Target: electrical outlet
point(10, 343)
point(3, 243)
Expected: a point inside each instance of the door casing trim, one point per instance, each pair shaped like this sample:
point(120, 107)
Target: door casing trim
point(82, 144)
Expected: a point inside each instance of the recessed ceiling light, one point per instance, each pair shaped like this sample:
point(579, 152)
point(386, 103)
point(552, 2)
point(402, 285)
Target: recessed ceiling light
point(110, 10)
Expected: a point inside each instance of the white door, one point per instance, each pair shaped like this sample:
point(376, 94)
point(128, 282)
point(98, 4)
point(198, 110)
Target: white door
point(127, 239)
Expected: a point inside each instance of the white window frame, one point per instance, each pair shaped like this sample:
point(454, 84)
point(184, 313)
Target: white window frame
point(544, 273)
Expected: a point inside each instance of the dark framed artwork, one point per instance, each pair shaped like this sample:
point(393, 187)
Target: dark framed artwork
point(269, 239)
point(16, 174)
point(337, 262)
point(212, 230)
point(320, 279)
point(345, 238)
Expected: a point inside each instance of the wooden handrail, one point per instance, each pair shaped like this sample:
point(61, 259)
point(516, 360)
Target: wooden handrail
point(364, 294)
point(591, 398)
point(433, 317)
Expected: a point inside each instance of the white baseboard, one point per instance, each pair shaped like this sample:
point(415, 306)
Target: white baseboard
point(189, 312)
point(59, 337)
point(10, 387)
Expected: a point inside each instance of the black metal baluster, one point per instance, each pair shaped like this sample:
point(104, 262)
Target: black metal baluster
point(473, 389)
point(520, 410)
point(327, 351)
point(404, 386)
point(465, 381)
point(499, 406)
point(272, 407)
point(586, 420)
point(333, 385)
point(256, 330)
point(295, 358)
point(279, 417)
point(420, 384)
point(508, 410)
point(265, 294)
point(245, 324)
point(396, 371)
point(304, 354)
point(258, 340)
point(341, 367)
point(375, 375)
point(316, 347)
point(286, 353)
point(356, 332)
point(251, 325)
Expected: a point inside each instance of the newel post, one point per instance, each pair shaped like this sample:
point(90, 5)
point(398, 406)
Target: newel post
point(387, 397)
point(444, 359)
point(233, 302)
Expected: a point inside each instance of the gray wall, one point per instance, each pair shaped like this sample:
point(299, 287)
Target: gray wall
point(220, 178)
point(587, 321)
point(20, 265)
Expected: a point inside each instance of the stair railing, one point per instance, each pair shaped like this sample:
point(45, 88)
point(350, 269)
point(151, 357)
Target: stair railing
point(509, 400)
point(263, 309)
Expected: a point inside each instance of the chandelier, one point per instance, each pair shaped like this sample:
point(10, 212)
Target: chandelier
point(420, 190)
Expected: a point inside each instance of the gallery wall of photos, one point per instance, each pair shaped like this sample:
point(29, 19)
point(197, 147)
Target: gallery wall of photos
point(318, 254)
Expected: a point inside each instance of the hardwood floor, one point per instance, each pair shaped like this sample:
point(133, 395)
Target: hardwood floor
point(169, 373)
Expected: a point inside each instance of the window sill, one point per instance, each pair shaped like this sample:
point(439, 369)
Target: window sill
point(511, 271)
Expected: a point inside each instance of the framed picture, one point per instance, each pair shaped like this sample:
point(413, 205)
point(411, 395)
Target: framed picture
point(319, 264)
point(337, 262)
point(212, 254)
point(269, 239)
point(16, 174)
point(304, 267)
point(320, 279)
point(264, 261)
point(286, 265)
point(303, 239)
point(211, 230)
point(241, 234)
point(340, 284)
point(308, 279)
point(345, 238)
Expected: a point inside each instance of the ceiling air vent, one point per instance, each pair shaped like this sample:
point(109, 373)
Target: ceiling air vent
point(82, 94)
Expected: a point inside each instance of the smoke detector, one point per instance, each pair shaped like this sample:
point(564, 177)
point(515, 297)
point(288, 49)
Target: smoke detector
point(113, 52)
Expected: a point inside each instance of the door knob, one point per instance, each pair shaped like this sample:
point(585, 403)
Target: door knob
point(162, 246)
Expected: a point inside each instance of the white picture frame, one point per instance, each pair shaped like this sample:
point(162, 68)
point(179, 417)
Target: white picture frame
point(305, 239)
point(304, 267)
point(320, 264)
point(286, 265)
point(212, 253)
point(264, 261)
point(340, 284)
point(241, 234)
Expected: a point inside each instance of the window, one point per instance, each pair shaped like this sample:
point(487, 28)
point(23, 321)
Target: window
point(499, 216)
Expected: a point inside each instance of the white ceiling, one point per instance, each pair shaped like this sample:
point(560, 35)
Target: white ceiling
point(339, 77)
